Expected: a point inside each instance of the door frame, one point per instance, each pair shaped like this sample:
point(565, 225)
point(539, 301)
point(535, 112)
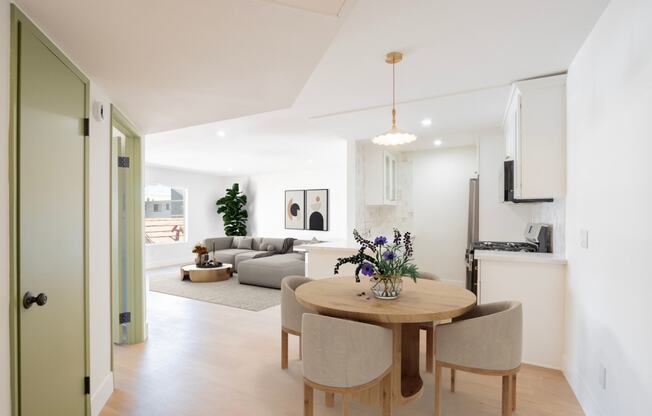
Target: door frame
point(137, 331)
point(20, 21)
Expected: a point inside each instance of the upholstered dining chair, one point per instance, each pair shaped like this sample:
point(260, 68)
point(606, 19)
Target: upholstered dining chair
point(486, 340)
point(291, 313)
point(344, 357)
point(429, 327)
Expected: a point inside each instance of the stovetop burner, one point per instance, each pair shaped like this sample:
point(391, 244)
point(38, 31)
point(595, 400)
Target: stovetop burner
point(505, 246)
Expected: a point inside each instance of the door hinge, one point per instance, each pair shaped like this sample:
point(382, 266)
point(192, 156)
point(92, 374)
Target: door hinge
point(87, 127)
point(125, 317)
point(123, 162)
point(87, 385)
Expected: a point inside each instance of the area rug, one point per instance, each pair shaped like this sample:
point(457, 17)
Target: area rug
point(228, 293)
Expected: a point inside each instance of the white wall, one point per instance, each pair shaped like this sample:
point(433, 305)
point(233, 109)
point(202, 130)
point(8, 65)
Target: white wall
point(440, 203)
point(5, 387)
point(266, 200)
point(202, 220)
point(99, 245)
point(610, 195)
point(498, 221)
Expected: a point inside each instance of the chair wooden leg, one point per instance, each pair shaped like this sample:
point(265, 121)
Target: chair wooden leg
point(514, 392)
point(437, 389)
point(507, 395)
point(452, 380)
point(430, 349)
point(345, 404)
point(284, 349)
point(329, 399)
point(308, 404)
point(387, 394)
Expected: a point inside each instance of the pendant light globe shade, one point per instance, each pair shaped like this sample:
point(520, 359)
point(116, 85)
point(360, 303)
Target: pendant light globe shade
point(394, 137)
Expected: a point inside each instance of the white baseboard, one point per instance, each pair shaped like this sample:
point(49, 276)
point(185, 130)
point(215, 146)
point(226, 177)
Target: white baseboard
point(102, 394)
point(583, 394)
point(168, 263)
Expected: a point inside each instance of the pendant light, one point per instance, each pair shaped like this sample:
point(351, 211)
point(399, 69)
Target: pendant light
point(394, 136)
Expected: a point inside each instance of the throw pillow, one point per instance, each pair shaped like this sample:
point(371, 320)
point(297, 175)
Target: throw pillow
point(245, 244)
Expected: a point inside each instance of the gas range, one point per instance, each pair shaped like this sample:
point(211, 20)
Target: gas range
point(538, 238)
point(505, 246)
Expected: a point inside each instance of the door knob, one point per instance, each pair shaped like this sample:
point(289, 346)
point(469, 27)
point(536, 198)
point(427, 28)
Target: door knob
point(29, 299)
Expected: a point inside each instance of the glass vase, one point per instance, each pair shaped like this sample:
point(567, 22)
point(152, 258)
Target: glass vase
point(386, 287)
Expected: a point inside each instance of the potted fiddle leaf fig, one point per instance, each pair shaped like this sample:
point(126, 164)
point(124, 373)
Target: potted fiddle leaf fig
point(234, 214)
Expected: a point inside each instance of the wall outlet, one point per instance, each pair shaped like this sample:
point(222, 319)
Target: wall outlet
point(584, 239)
point(602, 376)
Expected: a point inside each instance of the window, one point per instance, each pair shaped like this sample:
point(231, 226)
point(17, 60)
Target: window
point(165, 214)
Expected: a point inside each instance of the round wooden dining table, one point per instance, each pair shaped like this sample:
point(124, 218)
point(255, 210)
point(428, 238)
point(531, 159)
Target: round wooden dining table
point(423, 301)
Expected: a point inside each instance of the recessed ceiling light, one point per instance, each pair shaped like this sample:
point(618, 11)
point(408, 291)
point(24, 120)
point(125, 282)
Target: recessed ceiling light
point(426, 122)
point(438, 142)
point(229, 170)
point(309, 161)
point(220, 133)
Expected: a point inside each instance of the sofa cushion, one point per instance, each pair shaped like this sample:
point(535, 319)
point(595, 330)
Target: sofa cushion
point(269, 271)
point(296, 256)
point(245, 244)
point(228, 255)
point(276, 242)
point(218, 243)
point(249, 255)
point(255, 244)
point(236, 241)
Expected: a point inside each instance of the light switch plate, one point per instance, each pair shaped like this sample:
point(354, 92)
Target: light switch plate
point(602, 376)
point(584, 239)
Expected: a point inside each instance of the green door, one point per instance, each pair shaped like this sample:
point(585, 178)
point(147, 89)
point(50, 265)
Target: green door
point(50, 237)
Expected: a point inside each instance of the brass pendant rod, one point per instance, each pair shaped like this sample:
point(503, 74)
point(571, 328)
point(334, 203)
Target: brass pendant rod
point(393, 95)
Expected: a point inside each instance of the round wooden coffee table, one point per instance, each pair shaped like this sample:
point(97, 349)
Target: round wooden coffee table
point(200, 275)
point(425, 301)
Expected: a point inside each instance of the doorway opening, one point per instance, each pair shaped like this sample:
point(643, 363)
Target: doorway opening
point(127, 274)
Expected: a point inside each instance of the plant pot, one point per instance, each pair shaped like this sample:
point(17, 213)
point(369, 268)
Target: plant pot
point(386, 287)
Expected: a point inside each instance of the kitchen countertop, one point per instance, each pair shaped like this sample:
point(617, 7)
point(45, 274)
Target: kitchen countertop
point(494, 255)
point(330, 245)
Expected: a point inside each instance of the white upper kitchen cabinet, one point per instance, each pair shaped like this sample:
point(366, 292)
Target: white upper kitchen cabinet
point(380, 176)
point(535, 137)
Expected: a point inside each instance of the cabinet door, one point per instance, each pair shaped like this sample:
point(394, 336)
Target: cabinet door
point(389, 174)
point(540, 289)
point(512, 130)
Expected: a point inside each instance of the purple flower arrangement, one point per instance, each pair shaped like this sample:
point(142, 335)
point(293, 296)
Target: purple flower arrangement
point(382, 259)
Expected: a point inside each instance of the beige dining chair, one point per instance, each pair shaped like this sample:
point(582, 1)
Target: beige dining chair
point(486, 340)
point(291, 313)
point(429, 327)
point(345, 357)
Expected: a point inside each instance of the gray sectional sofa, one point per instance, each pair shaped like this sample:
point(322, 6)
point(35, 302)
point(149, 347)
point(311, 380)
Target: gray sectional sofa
point(259, 261)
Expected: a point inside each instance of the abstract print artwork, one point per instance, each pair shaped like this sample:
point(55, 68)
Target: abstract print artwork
point(295, 210)
point(317, 209)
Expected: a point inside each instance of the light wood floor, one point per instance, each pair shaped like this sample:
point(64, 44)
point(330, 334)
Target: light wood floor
point(207, 359)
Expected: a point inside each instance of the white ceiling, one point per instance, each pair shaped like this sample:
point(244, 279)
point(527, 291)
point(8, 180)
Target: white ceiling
point(448, 46)
point(275, 141)
point(169, 64)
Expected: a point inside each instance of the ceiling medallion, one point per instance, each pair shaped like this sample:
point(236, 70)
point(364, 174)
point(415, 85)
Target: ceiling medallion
point(394, 136)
